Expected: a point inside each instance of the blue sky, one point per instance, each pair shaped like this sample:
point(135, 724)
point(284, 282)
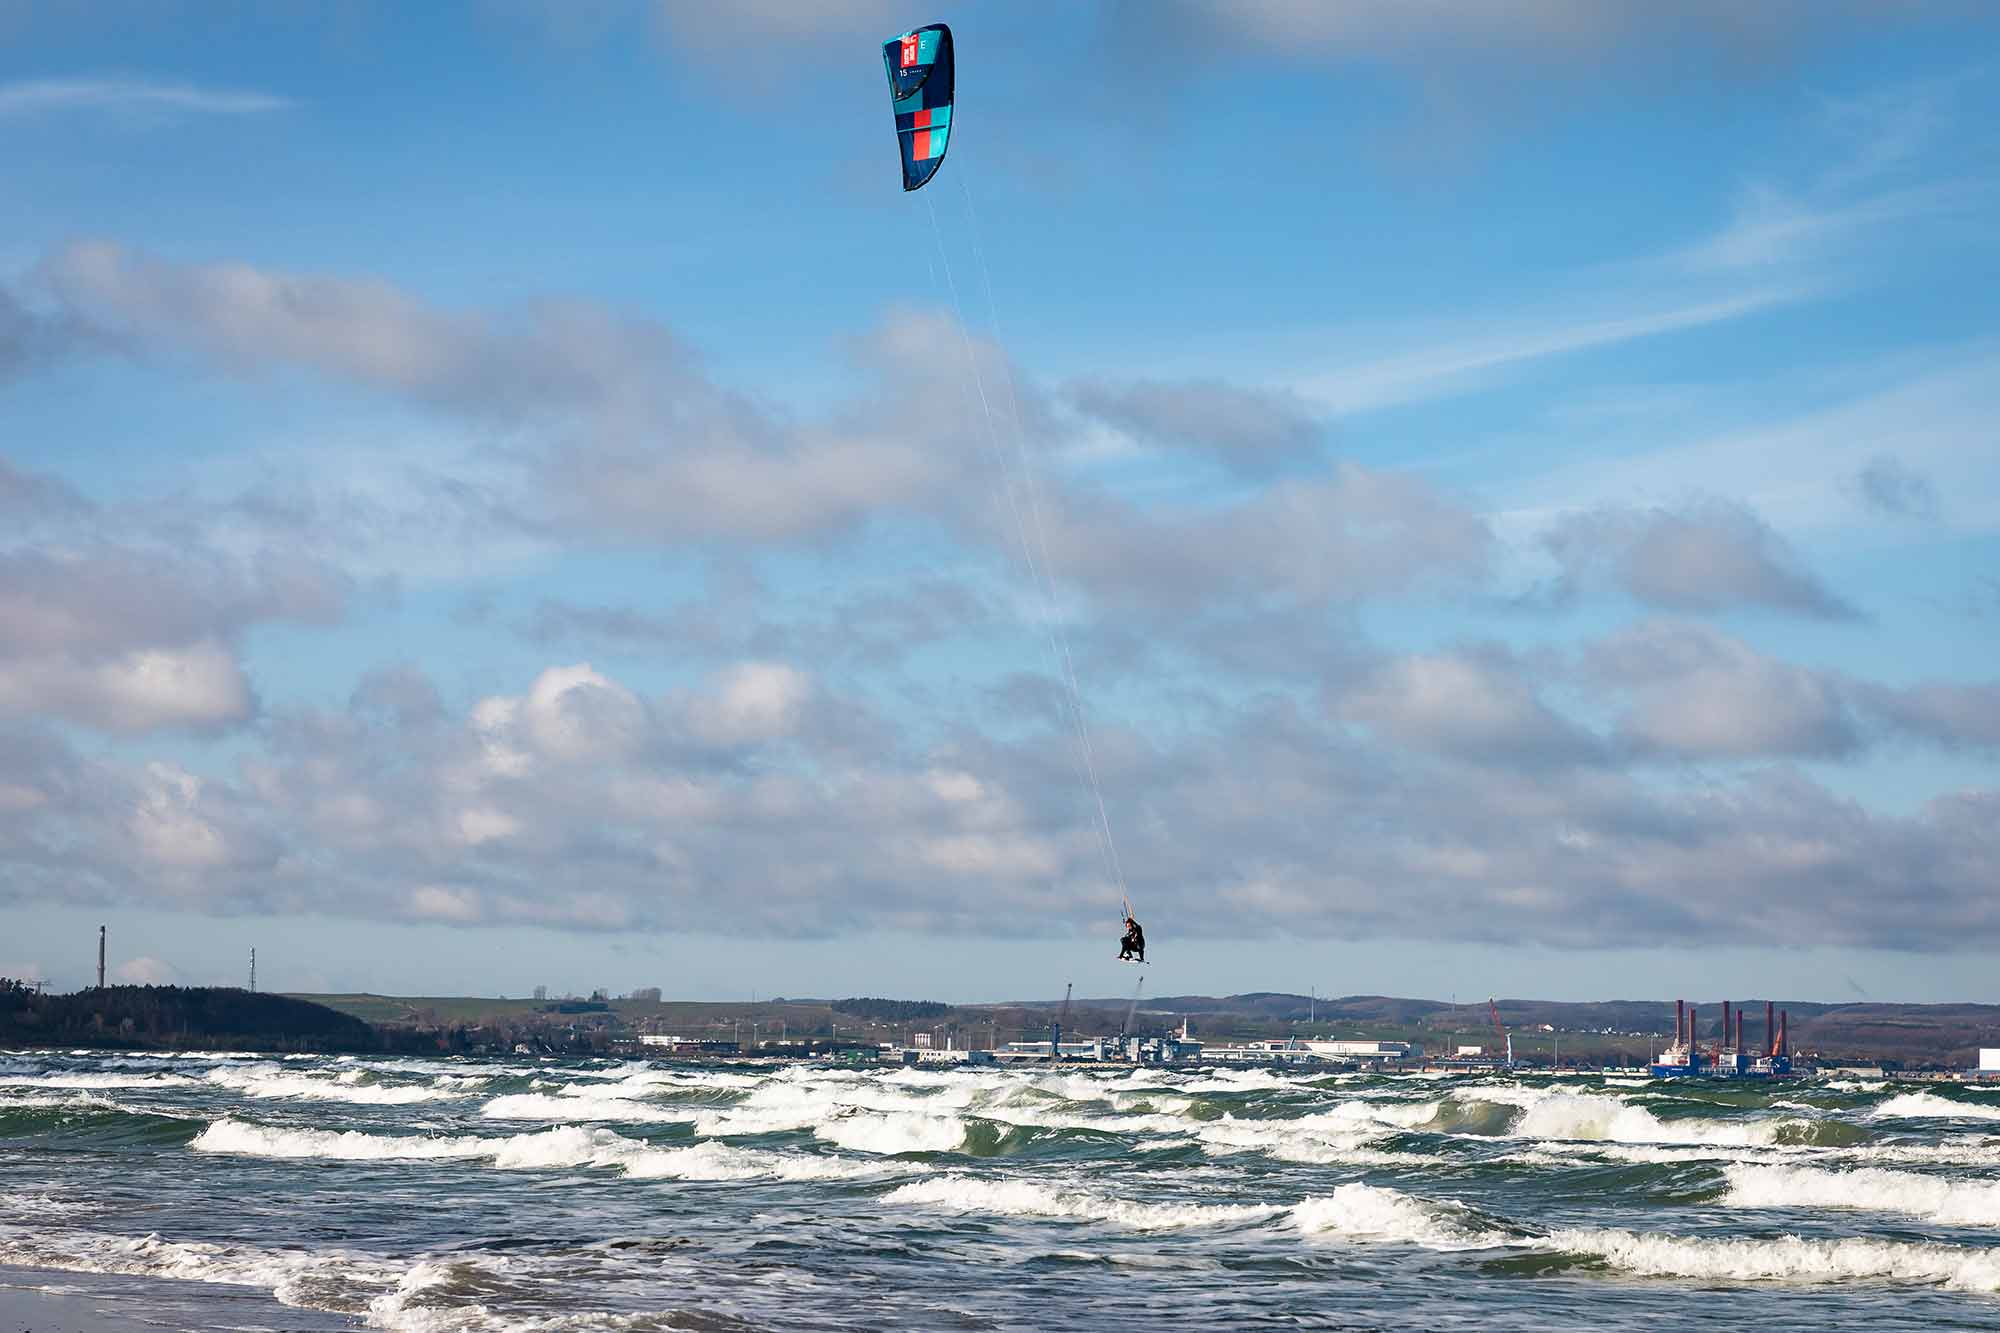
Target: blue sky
point(505, 494)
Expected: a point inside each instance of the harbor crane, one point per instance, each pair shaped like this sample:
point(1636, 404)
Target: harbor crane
point(1506, 1037)
point(1133, 1009)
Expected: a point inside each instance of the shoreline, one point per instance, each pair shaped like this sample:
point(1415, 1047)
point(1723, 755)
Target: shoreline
point(50, 1300)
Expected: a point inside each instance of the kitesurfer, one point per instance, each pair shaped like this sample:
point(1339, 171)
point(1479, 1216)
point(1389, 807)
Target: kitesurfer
point(1134, 944)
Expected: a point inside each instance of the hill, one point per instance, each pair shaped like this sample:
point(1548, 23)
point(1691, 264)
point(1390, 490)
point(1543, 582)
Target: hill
point(177, 1016)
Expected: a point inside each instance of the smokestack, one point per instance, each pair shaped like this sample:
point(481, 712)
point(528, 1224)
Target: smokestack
point(100, 958)
point(1739, 1029)
point(1725, 1022)
point(1694, 1055)
point(1680, 1022)
point(1770, 1028)
point(1784, 1031)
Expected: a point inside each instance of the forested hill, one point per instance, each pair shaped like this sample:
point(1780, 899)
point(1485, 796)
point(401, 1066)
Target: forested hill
point(174, 1016)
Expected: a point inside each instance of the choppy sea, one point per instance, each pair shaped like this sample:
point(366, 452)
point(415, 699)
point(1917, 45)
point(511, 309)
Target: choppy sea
point(469, 1195)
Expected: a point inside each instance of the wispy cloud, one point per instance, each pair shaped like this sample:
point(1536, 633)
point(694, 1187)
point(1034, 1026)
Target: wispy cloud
point(1459, 364)
point(1798, 470)
point(1771, 228)
point(37, 96)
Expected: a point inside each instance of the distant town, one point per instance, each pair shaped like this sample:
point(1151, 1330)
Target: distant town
point(1352, 1032)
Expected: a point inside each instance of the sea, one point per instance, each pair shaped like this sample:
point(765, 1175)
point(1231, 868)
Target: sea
point(467, 1194)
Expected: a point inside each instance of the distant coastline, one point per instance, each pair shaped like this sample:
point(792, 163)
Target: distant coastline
point(1896, 1036)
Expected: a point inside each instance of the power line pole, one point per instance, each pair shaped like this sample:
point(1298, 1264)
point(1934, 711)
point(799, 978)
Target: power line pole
point(100, 958)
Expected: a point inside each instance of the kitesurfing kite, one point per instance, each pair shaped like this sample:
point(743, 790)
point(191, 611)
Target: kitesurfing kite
point(921, 76)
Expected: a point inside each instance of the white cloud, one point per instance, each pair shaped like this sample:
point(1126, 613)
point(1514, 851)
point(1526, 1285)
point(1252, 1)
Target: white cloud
point(573, 714)
point(144, 972)
point(169, 827)
point(752, 703)
point(1701, 555)
point(435, 902)
point(36, 96)
point(1475, 704)
point(199, 686)
point(1699, 693)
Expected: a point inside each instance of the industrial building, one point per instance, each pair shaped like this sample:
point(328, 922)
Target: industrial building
point(1295, 1050)
point(1728, 1056)
point(1132, 1050)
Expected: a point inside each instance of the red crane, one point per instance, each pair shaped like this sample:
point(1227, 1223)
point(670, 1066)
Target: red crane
point(1506, 1039)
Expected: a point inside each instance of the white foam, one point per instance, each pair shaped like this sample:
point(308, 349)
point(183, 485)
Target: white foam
point(90, 1080)
point(1785, 1258)
point(542, 1106)
point(1963, 1151)
point(719, 1161)
point(288, 1274)
point(1313, 1140)
point(1947, 1202)
point(551, 1149)
point(1928, 1105)
point(1369, 1212)
point(64, 1101)
point(244, 1139)
point(266, 1081)
point(430, 1280)
point(894, 1133)
point(1024, 1198)
point(1564, 1115)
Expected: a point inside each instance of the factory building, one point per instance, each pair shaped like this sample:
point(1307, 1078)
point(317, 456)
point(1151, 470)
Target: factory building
point(1730, 1056)
point(1300, 1051)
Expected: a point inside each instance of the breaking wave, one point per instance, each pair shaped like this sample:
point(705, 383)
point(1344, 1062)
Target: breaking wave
point(567, 1146)
point(266, 1081)
point(1369, 1212)
point(1784, 1258)
point(1947, 1202)
point(1025, 1198)
point(1928, 1105)
point(543, 1106)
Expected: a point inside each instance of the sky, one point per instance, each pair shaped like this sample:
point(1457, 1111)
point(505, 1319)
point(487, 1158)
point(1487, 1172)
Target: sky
point(1432, 499)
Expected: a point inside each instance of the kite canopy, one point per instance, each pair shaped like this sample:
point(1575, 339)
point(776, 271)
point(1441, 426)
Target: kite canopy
point(921, 78)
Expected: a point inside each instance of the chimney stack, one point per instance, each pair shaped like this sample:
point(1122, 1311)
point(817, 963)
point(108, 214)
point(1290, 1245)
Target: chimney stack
point(1694, 1054)
point(1739, 1029)
point(1770, 1028)
point(1725, 1022)
point(1680, 1022)
point(100, 958)
point(1784, 1031)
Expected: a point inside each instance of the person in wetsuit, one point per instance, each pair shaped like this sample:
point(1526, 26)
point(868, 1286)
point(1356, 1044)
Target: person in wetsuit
point(1134, 943)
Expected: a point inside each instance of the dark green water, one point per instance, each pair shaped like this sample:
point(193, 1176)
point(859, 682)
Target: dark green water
point(464, 1195)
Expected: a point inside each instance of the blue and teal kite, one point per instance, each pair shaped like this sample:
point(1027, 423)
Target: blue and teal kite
point(920, 88)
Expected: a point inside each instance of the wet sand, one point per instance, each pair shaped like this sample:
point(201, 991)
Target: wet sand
point(33, 1301)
